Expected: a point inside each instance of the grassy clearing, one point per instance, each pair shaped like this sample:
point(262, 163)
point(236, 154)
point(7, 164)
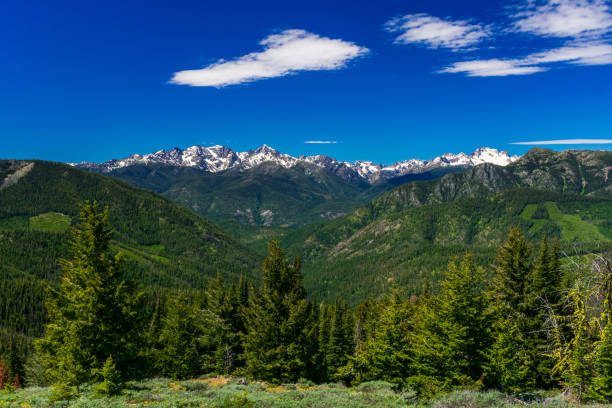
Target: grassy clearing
point(47, 222)
point(230, 392)
point(50, 222)
point(573, 227)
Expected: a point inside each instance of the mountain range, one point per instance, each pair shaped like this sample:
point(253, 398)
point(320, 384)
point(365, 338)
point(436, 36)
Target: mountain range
point(217, 159)
point(260, 192)
point(411, 232)
point(377, 234)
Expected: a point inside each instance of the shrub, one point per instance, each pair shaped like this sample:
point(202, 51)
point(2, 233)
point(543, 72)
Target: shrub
point(111, 380)
point(62, 392)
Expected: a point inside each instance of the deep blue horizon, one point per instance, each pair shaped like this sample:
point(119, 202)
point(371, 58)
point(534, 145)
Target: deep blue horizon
point(91, 81)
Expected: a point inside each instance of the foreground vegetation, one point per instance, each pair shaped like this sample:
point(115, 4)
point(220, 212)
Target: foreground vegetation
point(526, 325)
point(227, 392)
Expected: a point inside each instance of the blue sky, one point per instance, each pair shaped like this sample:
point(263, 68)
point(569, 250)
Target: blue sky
point(385, 80)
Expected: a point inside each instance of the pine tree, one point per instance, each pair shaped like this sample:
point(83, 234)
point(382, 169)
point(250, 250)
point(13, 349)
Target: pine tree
point(323, 336)
point(279, 344)
point(512, 359)
point(181, 350)
point(545, 294)
point(387, 354)
point(228, 304)
point(458, 324)
point(95, 311)
point(14, 362)
point(340, 345)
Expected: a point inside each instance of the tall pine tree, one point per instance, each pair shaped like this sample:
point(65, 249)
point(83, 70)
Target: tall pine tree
point(94, 313)
point(279, 344)
point(511, 359)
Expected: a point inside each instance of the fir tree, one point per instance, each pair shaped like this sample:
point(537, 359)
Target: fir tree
point(181, 351)
point(512, 359)
point(280, 326)
point(340, 345)
point(546, 297)
point(388, 353)
point(324, 332)
point(451, 343)
point(95, 311)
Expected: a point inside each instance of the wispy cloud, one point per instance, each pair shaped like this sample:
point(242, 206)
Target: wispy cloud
point(433, 32)
point(564, 18)
point(492, 67)
point(578, 54)
point(590, 53)
point(566, 142)
point(321, 142)
point(285, 53)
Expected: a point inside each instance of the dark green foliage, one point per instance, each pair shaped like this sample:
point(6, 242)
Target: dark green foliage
point(180, 348)
point(387, 353)
point(453, 330)
point(335, 339)
point(279, 344)
point(165, 245)
point(512, 364)
point(94, 313)
point(228, 304)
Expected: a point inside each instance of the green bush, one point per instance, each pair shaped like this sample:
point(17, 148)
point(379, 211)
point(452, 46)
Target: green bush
point(62, 392)
point(111, 380)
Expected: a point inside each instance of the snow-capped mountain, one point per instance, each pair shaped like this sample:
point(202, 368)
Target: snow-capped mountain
point(215, 159)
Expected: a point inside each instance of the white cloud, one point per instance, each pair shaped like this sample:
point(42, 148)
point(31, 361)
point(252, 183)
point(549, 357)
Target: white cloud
point(434, 32)
point(492, 67)
point(321, 142)
point(566, 142)
point(564, 18)
point(578, 54)
point(285, 53)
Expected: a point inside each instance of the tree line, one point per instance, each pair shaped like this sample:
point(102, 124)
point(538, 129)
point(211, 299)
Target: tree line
point(526, 323)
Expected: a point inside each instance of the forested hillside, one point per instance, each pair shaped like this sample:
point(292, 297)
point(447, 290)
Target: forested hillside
point(265, 200)
point(166, 245)
point(411, 232)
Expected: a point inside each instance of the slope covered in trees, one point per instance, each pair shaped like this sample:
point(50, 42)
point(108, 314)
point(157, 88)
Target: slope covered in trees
point(409, 233)
point(165, 244)
point(265, 200)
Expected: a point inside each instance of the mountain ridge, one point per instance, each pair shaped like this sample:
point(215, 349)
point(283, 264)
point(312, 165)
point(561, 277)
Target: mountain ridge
point(215, 159)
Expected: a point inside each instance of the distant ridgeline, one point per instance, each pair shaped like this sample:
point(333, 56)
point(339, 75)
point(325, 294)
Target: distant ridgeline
point(166, 245)
point(411, 232)
point(261, 192)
